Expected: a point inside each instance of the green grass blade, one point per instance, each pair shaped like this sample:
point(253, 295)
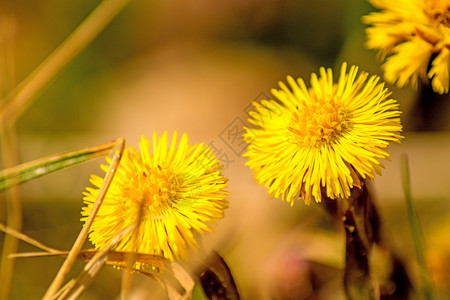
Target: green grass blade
point(40, 167)
point(416, 231)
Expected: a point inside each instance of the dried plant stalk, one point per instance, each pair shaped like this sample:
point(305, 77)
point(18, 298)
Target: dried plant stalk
point(23, 96)
point(25, 238)
point(130, 259)
point(115, 258)
point(17, 102)
point(8, 137)
point(76, 287)
point(13, 214)
point(68, 263)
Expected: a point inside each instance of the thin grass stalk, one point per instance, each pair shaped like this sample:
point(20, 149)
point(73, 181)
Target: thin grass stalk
point(7, 51)
point(416, 231)
point(10, 157)
point(27, 239)
point(70, 260)
point(116, 258)
point(13, 215)
point(23, 96)
point(76, 287)
point(127, 275)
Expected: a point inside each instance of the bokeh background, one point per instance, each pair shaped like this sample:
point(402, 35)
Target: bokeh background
point(196, 66)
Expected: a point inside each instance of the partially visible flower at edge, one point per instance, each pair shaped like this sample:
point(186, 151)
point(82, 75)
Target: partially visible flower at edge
point(411, 33)
point(174, 191)
point(323, 140)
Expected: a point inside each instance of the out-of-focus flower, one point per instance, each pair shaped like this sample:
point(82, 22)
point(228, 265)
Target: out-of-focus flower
point(174, 191)
point(321, 141)
point(410, 33)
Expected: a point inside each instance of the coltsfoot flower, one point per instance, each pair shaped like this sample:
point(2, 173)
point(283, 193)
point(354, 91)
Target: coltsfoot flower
point(323, 140)
point(410, 33)
point(175, 191)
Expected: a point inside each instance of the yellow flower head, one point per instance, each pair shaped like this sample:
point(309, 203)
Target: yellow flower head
point(322, 140)
point(175, 191)
point(411, 33)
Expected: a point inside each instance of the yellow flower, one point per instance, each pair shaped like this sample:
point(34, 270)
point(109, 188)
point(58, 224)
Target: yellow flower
point(411, 33)
point(321, 141)
point(175, 191)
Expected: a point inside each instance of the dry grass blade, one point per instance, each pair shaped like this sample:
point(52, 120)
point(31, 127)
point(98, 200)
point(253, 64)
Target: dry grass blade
point(9, 143)
point(40, 167)
point(22, 97)
point(25, 238)
point(76, 287)
point(185, 279)
point(130, 259)
point(171, 291)
point(72, 256)
point(19, 99)
point(13, 213)
point(115, 258)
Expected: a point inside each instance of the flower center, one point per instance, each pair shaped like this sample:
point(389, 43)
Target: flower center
point(160, 187)
point(318, 122)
